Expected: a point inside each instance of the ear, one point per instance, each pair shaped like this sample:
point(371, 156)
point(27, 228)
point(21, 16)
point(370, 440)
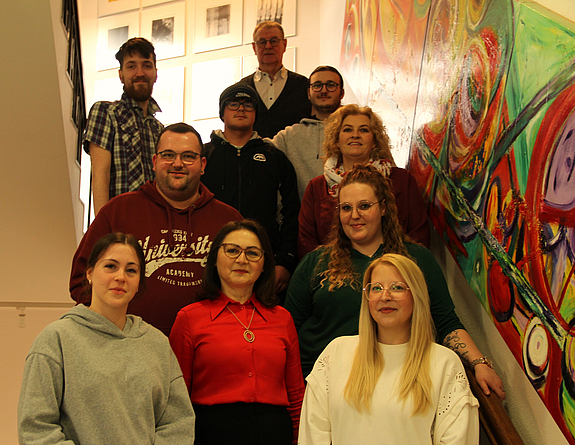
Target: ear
point(154, 161)
point(342, 94)
point(308, 95)
point(254, 47)
point(203, 167)
point(89, 274)
point(121, 76)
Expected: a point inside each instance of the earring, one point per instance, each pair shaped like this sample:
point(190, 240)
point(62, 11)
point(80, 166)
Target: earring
point(90, 282)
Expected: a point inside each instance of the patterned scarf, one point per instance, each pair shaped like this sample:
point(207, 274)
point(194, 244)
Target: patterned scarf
point(334, 173)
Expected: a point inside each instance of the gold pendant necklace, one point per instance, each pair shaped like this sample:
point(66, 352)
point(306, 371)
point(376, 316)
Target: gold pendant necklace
point(249, 336)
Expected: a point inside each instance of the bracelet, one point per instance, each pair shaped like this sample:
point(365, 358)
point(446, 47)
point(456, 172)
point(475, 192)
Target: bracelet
point(481, 361)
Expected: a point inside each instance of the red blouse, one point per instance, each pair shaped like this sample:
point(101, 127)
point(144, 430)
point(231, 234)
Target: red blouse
point(220, 366)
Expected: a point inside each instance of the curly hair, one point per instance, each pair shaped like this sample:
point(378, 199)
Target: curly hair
point(264, 287)
point(333, 126)
point(338, 247)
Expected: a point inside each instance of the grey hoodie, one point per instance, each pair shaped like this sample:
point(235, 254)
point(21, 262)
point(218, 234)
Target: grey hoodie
point(88, 382)
point(303, 145)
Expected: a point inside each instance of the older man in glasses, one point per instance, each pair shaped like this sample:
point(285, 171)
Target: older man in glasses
point(302, 142)
point(247, 173)
point(175, 218)
point(282, 93)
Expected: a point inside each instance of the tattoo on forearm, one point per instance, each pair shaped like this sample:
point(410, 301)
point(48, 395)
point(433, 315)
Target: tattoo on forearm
point(453, 342)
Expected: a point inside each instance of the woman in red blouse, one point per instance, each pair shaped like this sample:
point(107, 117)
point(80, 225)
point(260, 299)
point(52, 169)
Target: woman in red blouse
point(238, 349)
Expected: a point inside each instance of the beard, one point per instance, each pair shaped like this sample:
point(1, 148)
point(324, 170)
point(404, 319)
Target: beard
point(327, 108)
point(140, 93)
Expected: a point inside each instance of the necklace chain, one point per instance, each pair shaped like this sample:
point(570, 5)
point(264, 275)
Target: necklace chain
point(249, 336)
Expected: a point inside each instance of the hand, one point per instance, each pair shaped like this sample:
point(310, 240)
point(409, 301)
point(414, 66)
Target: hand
point(488, 379)
point(282, 279)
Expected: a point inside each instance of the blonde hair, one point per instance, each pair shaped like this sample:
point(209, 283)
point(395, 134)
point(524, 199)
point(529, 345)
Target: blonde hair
point(368, 362)
point(333, 126)
point(340, 271)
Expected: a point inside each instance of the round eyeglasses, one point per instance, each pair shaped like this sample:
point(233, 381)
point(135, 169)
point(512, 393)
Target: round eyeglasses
point(362, 207)
point(318, 86)
point(396, 290)
point(262, 43)
point(234, 105)
point(234, 251)
point(187, 157)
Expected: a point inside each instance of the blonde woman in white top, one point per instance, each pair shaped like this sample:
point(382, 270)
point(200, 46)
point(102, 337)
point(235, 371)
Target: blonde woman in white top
point(390, 383)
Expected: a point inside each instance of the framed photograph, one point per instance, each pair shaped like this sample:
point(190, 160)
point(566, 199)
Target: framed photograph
point(218, 74)
point(169, 93)
point(281, 11)
point(250, 63)
point(218, 24)
point(109, 7)
point(112, 33)
point(165, 27)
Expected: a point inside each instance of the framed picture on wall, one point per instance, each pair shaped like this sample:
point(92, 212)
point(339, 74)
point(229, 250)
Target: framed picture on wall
point(109, 7)
point(218, 24)
point(281, 11)
point(165, 27)
point(112, 33)
point(218, 74)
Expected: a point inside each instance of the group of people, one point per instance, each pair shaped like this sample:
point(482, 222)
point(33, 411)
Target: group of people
point(366, 310)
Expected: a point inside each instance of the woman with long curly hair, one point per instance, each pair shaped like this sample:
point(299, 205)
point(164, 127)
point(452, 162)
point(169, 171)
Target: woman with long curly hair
point(356, 135)
point(392, 370)
point(324, 295)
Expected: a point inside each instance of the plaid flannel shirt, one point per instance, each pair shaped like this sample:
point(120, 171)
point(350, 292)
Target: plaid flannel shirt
point(121, 128)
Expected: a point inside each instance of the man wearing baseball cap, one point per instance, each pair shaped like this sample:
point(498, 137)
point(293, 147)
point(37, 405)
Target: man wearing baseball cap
point(247, 173)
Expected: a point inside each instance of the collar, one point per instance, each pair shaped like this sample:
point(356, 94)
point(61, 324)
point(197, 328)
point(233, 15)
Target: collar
point(220, 134)
point(358, 255)
point(153, 106)
point(219, 304)
point(282, 73)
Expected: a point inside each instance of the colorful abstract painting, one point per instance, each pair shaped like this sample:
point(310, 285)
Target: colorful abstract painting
point(480, 96)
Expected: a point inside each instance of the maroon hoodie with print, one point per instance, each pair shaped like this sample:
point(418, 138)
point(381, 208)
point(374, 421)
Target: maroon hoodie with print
point(175, 243)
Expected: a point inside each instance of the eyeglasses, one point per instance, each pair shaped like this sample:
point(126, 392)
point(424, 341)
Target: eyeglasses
point(187, 157)
point(363, 207)
point(262, 43)
point(235, 105)
point(318, 86)
point(397, 290)
point(234, 251)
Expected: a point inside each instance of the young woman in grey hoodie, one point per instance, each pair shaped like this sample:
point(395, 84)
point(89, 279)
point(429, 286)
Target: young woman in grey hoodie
point(99, 376)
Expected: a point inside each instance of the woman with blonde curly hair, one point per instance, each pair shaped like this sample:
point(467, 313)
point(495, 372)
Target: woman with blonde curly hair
point(324, 295)
point(397, 373)
point(355, 135)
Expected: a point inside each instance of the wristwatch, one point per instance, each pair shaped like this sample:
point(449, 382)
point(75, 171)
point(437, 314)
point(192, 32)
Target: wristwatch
point(481, 361)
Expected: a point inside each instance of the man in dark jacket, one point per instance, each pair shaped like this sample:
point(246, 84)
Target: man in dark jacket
point(282, 94)
point(247, 173)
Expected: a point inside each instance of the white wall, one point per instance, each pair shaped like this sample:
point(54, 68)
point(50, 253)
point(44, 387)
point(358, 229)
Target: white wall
point(38, 233)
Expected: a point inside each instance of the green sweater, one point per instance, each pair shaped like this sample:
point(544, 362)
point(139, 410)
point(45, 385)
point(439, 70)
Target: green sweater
point(321, 315)
point(88, 382)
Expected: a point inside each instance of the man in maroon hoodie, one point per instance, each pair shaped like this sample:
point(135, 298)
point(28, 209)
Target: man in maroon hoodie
point(175, 218)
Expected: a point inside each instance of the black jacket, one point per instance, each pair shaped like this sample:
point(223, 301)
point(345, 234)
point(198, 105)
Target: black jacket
point(249, 181)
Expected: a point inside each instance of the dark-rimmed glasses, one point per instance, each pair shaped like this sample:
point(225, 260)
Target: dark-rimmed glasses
point(262, 43)
point(330, 86)
point(234, 105)
point(362, 207)
point(396, 290)
point(187, 157)
point(234, 251)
